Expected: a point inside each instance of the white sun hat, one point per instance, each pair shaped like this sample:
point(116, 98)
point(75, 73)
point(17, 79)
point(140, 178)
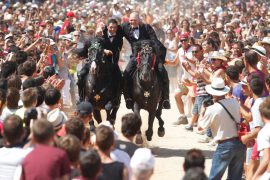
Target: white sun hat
point(259, 50)
point(217, 87)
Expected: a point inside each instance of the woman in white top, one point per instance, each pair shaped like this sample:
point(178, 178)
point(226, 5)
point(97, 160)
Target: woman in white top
point(171, 45)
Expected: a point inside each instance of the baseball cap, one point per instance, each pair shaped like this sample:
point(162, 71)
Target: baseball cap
point(70, 14)
point(84, 108)
point(184, 36)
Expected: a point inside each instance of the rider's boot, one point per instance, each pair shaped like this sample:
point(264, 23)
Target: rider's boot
point(165, 90)
point(80, 84)
point(127, 93)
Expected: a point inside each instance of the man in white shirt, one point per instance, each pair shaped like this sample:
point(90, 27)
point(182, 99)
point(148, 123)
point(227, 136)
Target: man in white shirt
point(12, 153)
point(183, 56)
point(263, 139)
point(222, 117)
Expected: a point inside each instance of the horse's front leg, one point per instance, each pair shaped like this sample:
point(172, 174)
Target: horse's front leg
point(136, 109)
point(149, 131)
point(161, 129)
point(97, 116)
point(113, 115)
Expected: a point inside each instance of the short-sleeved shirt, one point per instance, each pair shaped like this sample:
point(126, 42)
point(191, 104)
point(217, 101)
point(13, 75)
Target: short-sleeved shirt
point(10, 160)
point(112, 171)
point(263, 138)
point(182, 53)
point(256, 115)
point(238, 93)
point(45, 162)
point(128, 147)
point(65, 27)
point(217, 118)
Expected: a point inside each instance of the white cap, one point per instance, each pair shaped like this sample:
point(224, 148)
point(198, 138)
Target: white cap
point(142, 159)
point(83, 28)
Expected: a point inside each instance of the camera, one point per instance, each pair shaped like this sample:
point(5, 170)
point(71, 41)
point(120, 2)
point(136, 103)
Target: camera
point(30, 114)
point(208, 102)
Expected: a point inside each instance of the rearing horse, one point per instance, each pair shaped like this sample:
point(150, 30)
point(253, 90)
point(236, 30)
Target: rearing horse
point(147, 86)
point(100, 85)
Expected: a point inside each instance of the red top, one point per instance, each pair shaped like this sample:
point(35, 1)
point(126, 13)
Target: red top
point(65, 27)
point(45, 162)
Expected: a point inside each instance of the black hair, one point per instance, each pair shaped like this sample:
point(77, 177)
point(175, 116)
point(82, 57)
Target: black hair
point(240, 66)
point(8, 68)
point(21, 57)
point(241, 44)
point(13, 129)
point(211, 42)
point(40, 95)
point(14, 81)
point(256, 86)
point(90, 164)
point(48, 71)
point(131, 124)
point(75, 127)
point(28, 83)
point(251, 58)
point(3, 84)
point(13, 97)
point(194, 158)
point(52, 96)
point(29, 67)
point(113, 21)
point(233, 73)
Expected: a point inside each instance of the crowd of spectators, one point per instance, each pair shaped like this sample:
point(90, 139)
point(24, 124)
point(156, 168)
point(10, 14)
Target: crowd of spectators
point(218, 62)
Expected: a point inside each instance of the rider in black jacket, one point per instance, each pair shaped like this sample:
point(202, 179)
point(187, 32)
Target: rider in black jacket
point(135, 31)
point(113, 42)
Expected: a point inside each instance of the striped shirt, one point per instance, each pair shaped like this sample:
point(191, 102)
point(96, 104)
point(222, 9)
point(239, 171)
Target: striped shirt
point(200, 89)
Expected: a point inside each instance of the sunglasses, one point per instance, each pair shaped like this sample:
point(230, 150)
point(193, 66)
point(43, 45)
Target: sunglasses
point(183, 40)
point(194, 52)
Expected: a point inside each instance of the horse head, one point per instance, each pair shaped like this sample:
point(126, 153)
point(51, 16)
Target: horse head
point(146, 56)
point(96, 55)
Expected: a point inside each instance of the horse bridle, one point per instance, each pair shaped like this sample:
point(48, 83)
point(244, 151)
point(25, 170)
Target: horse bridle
point(139, 65)
point(152, 66)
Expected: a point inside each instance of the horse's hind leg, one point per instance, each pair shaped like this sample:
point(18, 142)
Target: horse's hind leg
point(161, 129)
point(97, 116)
point(149, 131)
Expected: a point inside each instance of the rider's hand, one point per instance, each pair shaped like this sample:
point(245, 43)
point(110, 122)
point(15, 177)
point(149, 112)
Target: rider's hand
point(108, 52)
point(99, 31)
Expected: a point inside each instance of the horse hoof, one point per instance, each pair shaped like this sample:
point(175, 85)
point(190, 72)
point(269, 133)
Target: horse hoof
point(149, 135)
point(161, 132)
point(138, 139)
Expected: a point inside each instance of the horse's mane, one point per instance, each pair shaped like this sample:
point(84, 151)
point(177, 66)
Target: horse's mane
point(99, 40)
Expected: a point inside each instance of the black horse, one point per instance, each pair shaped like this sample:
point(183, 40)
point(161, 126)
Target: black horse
point(147, 87)
point(100, 87)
